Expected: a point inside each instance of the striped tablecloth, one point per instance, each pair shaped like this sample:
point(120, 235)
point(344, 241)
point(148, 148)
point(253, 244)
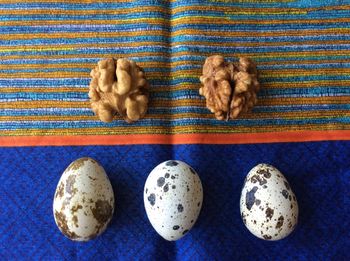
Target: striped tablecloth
point(302, 51)
point(48, 49)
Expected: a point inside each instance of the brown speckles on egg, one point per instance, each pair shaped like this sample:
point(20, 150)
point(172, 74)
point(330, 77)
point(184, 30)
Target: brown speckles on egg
point(271, 209)
point(285, 193)
point(85, 182)
point(76, 208)
point(267, 237)
point(257, 178)
point(102, 211)
point(63, 226)
point(264, 172)
point(60, 190)
point(280, 222)
point(286, 185)
point(77, 164)
point(269, 213)
point(75, 221)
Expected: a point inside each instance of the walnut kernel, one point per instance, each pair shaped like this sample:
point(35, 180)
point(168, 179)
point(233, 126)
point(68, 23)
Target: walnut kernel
point(230, 89)
point(118, 86)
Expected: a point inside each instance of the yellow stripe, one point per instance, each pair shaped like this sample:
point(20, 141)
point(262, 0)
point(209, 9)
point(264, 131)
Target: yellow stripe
point(227, 21)
point(253, 116)
point(148, 64)
point(197, 7)
point(257, 9)
point(43, 89)
point(71, 47)
point(176, 103)
point(30, 35)
point(23, 36)
point(181, 86)
point(305, 32)
point(143, 9)
point(176, 21)
point(256, 55)
point(193, 73)
point(270, 85)
point(163, 130)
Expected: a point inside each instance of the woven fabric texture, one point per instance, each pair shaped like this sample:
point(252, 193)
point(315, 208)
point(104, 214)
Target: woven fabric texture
point(319, 174)
point(47, 50)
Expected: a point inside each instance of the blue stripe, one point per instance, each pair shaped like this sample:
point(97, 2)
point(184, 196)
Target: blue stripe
point(90, 40)
point(184, 14)
point(183, 48)
point(170, 123)
point(156, 58)
point(187, 67)
point(157, 38)
point(63, 17)
point(187, 94)
point(204, 27)
point(83, 28)
point(55, 82)
point(102, 51)
point(176, 110)
point(260, 27)
point(101, 5)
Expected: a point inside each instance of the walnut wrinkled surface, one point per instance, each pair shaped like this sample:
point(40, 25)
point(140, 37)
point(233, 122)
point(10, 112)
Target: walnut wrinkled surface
point(118, 86)
point(230, 89)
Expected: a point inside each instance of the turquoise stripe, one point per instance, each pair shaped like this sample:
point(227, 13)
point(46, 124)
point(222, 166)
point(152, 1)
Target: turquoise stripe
point(184, 48)
point(175, 110)
point(155, 37)
point(54, 82)
point(169, 123)
point(187, 94)
point(195, 58)
point(183, 14)
point(187, 67)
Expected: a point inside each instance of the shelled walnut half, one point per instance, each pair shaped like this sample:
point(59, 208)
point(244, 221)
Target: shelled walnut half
point(118, 86)
point(229, 88)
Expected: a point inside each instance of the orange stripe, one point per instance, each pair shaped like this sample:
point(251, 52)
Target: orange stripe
point(237, 138)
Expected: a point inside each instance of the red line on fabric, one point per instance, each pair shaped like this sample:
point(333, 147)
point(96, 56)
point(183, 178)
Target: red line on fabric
point(234, 138)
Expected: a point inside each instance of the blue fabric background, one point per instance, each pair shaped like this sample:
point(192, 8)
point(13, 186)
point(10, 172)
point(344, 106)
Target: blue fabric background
point(319, 174)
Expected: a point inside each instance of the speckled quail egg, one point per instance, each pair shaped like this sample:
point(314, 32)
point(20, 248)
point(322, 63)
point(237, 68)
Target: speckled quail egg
point(269, 208)
point(173, 196)
point(84, 200)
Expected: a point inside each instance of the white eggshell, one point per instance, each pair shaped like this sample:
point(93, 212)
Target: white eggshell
point(269, 208)
point(173, 196)
point(84, 200)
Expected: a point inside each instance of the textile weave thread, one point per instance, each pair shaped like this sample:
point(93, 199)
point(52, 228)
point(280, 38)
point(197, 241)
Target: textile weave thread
point(48, 49)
